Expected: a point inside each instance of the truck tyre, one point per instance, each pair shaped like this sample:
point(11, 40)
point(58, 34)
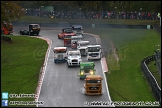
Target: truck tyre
point(68, 64)
point(30, 33)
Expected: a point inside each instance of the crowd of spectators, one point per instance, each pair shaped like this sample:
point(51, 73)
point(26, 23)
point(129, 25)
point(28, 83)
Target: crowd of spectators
point(93, 15)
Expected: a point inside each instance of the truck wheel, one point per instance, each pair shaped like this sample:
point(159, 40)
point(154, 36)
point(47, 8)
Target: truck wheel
point(30, 33)
point(68, 64)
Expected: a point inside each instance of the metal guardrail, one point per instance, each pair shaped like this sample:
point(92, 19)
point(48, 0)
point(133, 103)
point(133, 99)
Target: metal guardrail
point(158, 61)
point(150, 78)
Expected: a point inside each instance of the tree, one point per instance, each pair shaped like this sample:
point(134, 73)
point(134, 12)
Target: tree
point(10, 10)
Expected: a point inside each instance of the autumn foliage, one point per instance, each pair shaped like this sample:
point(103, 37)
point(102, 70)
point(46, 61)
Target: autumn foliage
point(11, 10)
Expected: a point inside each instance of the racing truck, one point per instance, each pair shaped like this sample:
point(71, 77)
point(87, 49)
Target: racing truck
point(65, 31)
point(60, 54)
point(74, 40)
point(24, 32)
point(86, 68)
point(34, 29)
point(94, 52)
point(67, 40)
point(82, 47)
point(73, 58)
point(93, 85)
point(78, 29)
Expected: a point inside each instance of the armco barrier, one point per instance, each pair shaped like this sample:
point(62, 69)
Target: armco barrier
point(158, 60)
point(85, 25)
point(150, 78)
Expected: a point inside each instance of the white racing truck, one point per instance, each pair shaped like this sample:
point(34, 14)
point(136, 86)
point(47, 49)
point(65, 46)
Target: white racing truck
point(77, 29)
point(94, 52)
point(60, 54)
point(73, 58)
point(75, 39)
point(82, 47)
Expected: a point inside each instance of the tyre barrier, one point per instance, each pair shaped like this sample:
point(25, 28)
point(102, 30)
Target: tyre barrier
point(7, 39)
point(150, 78)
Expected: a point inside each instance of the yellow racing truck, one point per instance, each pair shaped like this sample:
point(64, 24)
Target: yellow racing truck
point(86, 68)
point(93, 85)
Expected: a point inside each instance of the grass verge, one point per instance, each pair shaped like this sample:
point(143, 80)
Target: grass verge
point(20, 65)
point(126, 81)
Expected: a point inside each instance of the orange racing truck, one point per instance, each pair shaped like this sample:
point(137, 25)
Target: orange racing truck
point(93, 85)
point(7, 28)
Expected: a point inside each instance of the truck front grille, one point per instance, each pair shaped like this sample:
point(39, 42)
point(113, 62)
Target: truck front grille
point(93, 88)
point(60, 57)
point(74, 60)
point(82, 50)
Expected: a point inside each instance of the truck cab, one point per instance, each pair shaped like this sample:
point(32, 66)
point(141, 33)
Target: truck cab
point(94, 52)
point(73, 58)
point(34, 29)
point(93, 85)
point(67, 40)
point(78, 29)
point(60, 54)
point(74, 40)
point(65, 31)
point(86, 68)
point(82, 47)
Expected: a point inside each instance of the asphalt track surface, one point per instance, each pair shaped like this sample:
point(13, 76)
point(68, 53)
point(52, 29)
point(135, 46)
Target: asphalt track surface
point(61, 86)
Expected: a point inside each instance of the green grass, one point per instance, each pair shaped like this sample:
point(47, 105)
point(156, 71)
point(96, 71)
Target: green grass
point(34, 19)
point(20, 65)
point(126, 81)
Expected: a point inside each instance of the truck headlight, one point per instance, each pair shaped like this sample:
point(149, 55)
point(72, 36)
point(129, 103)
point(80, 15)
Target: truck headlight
point(82, 72)
point(91, 72)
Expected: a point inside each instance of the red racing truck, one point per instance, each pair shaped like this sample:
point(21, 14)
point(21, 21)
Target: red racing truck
point(67, 39)
point(64, 32)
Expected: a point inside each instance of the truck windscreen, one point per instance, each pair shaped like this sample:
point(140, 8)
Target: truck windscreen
point(68, 37)
point(94, 49)
point(88, 67)
point(93, 81)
